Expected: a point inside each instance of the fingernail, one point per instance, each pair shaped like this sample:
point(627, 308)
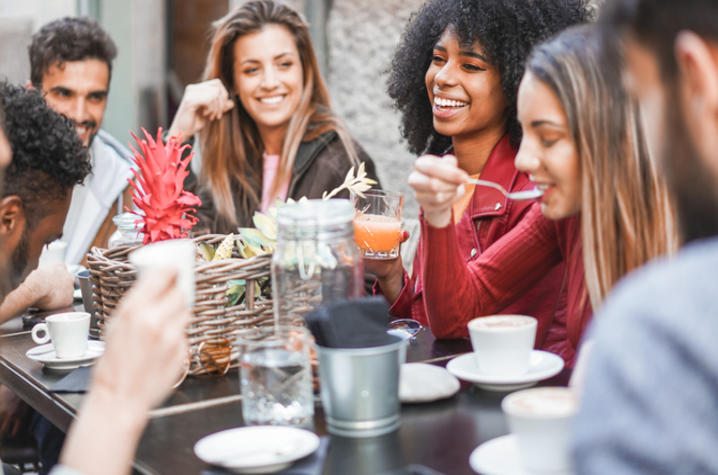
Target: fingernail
point(404, 235)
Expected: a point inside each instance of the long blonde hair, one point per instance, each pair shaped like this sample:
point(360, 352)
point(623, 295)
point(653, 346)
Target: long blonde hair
point(627, 215)
point(231, 146)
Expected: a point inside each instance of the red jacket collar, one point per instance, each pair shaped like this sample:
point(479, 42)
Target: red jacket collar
point(500, 169)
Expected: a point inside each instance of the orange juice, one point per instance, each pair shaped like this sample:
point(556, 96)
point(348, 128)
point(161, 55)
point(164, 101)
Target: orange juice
point(375, 233)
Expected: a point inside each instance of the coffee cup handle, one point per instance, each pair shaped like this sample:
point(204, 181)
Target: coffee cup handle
point(37, 329)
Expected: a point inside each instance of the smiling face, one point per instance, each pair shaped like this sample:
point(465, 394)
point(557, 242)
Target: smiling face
point(268, 77)
point(78, 90)
point(548, 153)
point(464, 89)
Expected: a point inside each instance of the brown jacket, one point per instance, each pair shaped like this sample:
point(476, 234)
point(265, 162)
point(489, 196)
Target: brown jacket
point(320, 165)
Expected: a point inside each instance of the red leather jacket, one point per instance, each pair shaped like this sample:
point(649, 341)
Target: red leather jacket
point(441, 294)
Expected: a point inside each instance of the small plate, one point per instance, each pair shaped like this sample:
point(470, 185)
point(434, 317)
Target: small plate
point(420, 382)
point(500, 456)
point(543, 365)
point(256, 449)
point(45, 354)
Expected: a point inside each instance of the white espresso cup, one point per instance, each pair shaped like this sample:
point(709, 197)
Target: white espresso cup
point(68, 331)
point(173, 253)
point(541, 419)
point(503, 343)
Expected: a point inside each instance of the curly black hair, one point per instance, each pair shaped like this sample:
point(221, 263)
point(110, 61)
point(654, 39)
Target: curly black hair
point(48, 159)
point(68, 39)
point(507, 31)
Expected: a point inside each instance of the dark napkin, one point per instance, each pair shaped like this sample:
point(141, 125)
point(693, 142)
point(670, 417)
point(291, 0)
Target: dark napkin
point(78, 381)
point(360, 323)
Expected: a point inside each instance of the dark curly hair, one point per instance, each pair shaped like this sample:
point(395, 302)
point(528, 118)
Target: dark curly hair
point(68, 39)
point(48, 159)
point(507, 31)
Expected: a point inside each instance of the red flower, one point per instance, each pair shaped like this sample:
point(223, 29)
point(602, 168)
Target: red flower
point(166, 209)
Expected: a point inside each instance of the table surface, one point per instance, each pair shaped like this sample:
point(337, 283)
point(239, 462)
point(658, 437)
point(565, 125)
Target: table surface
point(439, 435)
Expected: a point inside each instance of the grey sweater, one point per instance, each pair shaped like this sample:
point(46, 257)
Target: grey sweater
point(650, 403)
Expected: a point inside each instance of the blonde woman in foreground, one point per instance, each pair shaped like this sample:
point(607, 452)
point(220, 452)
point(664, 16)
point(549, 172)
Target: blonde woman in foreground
point(609, 209)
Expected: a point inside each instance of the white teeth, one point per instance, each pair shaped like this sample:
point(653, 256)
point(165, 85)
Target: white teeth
point(448, 102)
point(543, 187)
point(272, 100)
point(80, 130)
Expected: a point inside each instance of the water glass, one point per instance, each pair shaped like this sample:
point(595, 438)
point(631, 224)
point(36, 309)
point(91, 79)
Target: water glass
point(377, 224)
point(276, 376)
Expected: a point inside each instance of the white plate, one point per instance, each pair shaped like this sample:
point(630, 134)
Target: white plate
point(45, 354)
point(256, 449)
point(543, 365)
point(500, 456)
point(420, 382)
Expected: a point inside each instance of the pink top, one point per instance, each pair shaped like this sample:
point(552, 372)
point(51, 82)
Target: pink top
point(271, 164)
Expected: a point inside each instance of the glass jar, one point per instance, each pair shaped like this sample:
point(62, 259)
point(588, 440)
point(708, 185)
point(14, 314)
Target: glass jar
point(316, 259)
point(127, 232)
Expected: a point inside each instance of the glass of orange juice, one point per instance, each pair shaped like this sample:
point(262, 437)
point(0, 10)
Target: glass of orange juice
point(377, 223)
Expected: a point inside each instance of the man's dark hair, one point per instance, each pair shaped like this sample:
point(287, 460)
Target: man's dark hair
point(655, 24)
point(507, 31)
point(68, 39)
point(48, 159)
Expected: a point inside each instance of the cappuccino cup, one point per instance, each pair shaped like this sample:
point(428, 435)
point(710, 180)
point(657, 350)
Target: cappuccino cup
point(503, 343)
point(541, 420)
point(68, 331)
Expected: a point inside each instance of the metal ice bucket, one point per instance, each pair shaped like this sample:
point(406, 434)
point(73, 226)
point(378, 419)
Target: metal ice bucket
point(360, 388)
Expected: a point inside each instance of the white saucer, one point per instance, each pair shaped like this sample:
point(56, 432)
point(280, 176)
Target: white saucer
point(543, 365)
point(45, 354)
point(500, 456)
point(256, 449)
point(420, 382)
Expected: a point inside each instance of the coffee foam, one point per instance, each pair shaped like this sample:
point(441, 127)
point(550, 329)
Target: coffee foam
point(502, 322)
point(542, 402)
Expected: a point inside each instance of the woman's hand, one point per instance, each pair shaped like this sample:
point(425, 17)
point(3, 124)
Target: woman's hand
point(389, 273)
point(438, 183)
point(201, 103)
point(146, 343)
point(145, 353)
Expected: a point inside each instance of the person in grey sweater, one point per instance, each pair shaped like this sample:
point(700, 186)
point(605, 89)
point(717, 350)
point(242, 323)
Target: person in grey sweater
point(650, 400)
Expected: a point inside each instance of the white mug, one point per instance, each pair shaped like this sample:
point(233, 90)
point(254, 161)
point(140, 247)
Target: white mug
point(503, 343)
point(541, 419)
point(68, 331)
point(174, 253)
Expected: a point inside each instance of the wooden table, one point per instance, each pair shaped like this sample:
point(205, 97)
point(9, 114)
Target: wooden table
point(439, 436)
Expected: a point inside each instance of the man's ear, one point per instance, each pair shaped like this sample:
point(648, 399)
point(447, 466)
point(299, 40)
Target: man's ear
point(698, 66)
point(12, 216)
point(28, 85)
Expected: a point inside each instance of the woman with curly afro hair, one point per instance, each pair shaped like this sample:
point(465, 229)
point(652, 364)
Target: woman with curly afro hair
point(455, 78)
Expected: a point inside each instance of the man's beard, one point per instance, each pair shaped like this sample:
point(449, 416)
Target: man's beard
point(691, 180)
point(19, 261)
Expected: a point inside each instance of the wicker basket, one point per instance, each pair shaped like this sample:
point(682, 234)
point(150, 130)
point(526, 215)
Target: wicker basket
point(112, 274)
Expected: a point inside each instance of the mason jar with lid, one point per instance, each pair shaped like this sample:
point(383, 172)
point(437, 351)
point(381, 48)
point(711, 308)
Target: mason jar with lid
point(127, 232)
point(316, 259)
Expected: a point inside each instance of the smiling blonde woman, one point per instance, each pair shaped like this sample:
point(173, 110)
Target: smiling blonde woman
point(264, 118)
